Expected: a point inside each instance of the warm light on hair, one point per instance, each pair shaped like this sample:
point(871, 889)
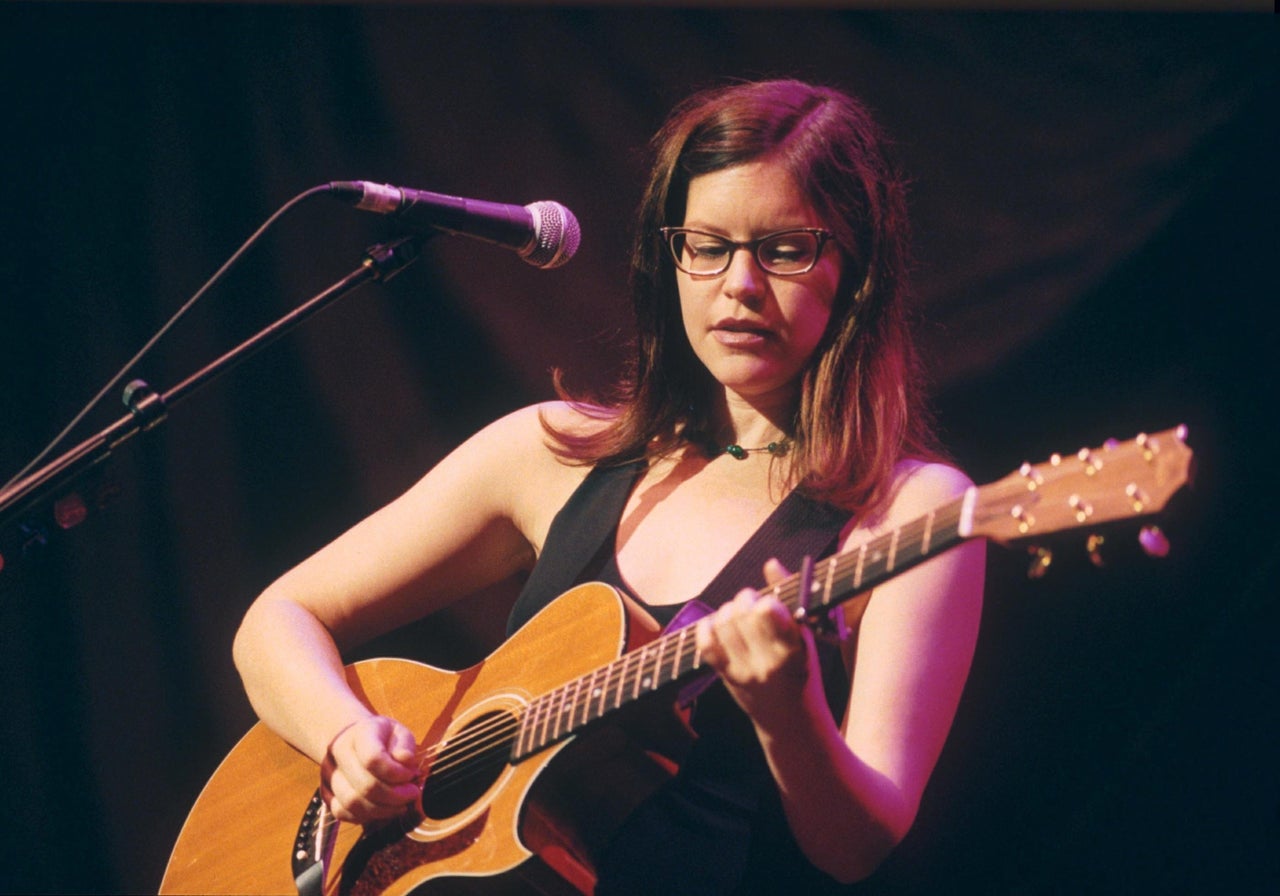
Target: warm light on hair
point(861, 408)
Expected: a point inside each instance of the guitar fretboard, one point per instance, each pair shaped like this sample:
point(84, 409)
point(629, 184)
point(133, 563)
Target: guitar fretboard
point(567, 709)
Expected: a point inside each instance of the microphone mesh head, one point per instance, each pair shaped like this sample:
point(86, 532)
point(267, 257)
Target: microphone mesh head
point(557, 235)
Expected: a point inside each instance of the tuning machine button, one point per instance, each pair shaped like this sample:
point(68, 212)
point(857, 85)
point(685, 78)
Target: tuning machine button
point(1041, 560)
point(1154, 542)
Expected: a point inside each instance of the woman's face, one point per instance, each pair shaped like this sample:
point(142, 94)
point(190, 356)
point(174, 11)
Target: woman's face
point(753, 330)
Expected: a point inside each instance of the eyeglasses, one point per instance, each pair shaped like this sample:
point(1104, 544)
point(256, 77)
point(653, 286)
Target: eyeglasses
point(787, 252)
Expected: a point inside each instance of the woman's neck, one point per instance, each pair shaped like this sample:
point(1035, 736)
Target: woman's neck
point(755, 422)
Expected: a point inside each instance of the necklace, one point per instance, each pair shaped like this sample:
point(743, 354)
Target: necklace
point(777, 449)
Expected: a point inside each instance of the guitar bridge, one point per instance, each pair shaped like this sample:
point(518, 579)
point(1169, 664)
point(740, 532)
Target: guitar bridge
point(313, 846)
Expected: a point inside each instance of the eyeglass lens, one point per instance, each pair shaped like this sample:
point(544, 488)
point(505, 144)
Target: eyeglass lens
point(790, 252)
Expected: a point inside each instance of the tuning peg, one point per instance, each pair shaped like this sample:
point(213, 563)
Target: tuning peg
point(1041, 559)
point(1154, 542)
point(1093, 544)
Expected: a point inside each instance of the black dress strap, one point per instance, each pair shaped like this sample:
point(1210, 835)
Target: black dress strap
point(581, 529)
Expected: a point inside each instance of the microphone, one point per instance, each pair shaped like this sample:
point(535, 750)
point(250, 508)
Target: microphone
point(544, 234)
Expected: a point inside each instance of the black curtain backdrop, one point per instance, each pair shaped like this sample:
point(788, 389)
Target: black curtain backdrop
point(1094, 197)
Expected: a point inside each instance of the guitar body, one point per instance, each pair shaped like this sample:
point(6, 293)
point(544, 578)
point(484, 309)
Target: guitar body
point(241, 834)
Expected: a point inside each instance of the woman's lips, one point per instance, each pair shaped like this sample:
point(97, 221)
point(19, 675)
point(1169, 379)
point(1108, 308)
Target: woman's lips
point(739, 334)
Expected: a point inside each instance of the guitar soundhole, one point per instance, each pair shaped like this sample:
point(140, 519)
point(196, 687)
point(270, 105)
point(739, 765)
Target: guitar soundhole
point(466, 765)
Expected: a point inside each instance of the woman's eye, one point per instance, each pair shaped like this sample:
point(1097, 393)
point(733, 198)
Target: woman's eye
point(785, 253)
point(709, 250)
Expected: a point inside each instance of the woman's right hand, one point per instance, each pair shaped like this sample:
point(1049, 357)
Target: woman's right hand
point(370, 771)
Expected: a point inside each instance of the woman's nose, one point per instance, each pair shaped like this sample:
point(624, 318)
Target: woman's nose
point(744, 279)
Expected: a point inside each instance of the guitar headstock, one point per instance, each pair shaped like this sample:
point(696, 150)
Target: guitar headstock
point(1117, 480)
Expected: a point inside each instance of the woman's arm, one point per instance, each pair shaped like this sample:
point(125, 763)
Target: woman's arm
point(851, 793)
point(474, 519)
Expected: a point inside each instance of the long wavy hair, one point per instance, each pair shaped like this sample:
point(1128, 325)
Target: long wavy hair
point(861, 407)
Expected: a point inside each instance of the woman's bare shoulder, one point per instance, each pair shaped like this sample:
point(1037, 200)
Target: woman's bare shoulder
point(918, 488)
point(518, 455)
point(530, 430)
point(921, 486)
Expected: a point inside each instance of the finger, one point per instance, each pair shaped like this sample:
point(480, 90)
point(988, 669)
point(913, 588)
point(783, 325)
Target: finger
point(772, 620)
point(778, 635)
point(372, 745)
point(774, 571)
point(351, 803)
point(709, 646)
point(403, 746)
point(729, 623)
point(365, 781)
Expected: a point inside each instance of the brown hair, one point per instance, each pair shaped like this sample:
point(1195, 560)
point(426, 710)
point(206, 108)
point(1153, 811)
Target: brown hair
point(861, 408)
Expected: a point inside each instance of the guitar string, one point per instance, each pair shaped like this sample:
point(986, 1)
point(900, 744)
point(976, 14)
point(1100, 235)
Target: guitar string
point(479, 742)
point(591, 688)
point(501, 730)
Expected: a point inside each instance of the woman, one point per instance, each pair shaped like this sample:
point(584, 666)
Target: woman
point(773, 369)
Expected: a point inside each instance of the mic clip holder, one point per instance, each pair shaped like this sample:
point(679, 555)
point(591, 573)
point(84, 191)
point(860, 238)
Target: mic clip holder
point(146, 405)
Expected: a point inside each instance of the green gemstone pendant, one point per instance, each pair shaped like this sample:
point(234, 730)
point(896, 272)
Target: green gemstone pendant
point(777, 449)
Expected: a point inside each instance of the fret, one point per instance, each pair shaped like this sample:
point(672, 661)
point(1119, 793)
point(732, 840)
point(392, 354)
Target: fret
point(635, 671)
point(638, 676)
point(573, 701)
point(596, 694)
point(583, 698)
point(695, 658)
point(877, 560)
point(522, 739)
point(578, 712)
point(928, 533)
point(857, 575)
point(657, 662)
point(617, 680)
point(644, 672)
point(538, 730)
point(631, 676)
point(645, 678)
point(831, 579)
point(609, 685)
point(528, 725)
point(677, 651)
point(893, 549)
point(563, 725)
point(545, 716)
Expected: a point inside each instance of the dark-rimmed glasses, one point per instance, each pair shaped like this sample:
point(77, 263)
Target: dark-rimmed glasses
point(787, 252)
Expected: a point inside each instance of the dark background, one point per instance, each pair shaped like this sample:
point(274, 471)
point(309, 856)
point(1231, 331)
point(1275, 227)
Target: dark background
point(1094, 196)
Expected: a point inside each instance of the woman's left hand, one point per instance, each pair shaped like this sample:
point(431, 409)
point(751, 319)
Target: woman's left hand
point(765, 658)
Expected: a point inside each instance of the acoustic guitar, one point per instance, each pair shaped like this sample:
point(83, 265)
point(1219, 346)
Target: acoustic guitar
point(509, 749)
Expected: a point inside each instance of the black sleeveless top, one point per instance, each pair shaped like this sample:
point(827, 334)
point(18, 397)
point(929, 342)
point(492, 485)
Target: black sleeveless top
point(718, 826)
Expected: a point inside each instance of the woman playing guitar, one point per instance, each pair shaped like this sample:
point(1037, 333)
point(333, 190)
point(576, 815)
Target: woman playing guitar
point(774, 388)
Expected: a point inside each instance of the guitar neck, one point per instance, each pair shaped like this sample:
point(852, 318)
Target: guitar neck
point(675, 656)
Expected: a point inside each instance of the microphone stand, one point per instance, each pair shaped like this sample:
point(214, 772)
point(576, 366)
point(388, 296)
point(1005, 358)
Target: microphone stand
point(147, 408)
